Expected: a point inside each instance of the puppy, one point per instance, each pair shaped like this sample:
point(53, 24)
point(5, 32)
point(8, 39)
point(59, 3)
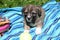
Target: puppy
point(33, 17)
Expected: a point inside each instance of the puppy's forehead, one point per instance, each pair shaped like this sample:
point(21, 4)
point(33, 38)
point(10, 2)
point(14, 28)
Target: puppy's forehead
point(30, 8)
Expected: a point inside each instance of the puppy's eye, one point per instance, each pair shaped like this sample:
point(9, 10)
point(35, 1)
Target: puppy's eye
point(34, 14)
point(25, 12)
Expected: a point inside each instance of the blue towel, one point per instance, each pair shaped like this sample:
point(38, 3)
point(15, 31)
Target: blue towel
point(51, 27)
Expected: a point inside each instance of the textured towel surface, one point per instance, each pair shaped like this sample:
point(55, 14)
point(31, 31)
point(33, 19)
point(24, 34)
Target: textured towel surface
point(50, 30)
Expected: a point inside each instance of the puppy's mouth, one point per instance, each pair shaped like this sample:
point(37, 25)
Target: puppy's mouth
point(30, 22)
point(29, 19)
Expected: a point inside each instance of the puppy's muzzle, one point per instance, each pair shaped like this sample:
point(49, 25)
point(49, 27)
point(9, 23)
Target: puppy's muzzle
point(28, 18)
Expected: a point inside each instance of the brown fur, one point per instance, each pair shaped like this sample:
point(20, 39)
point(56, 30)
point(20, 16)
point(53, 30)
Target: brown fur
point(35, 14)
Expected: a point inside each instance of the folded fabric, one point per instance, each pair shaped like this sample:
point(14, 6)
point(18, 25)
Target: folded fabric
point(50, 30)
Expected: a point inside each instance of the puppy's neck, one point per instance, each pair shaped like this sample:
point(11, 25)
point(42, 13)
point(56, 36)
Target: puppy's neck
point(31, 25)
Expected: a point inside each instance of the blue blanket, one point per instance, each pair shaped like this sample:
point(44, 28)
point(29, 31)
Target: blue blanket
point(51, 27)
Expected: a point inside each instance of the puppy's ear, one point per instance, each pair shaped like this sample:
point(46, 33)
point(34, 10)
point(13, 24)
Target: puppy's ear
point(23, 9)
point(40, 11)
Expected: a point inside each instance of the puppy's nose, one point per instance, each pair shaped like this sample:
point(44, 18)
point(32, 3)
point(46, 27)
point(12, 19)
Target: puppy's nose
point(28, 17)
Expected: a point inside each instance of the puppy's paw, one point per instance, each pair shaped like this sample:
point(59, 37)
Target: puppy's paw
point(26, 27)
point(38, 31)
point(26, 31)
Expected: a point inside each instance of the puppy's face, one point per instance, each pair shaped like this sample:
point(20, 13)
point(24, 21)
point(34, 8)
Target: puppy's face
point(31, 13)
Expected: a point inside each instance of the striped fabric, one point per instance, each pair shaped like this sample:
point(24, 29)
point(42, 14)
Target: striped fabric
point(50, 30)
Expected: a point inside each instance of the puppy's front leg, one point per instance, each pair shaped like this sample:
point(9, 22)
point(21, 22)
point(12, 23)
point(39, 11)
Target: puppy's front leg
point(27, 28)
point(38, 29)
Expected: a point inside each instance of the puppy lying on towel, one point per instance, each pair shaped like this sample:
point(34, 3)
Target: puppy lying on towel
point(33, 17)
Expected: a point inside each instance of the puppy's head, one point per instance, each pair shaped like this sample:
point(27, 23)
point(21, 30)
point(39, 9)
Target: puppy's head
point(31, 13)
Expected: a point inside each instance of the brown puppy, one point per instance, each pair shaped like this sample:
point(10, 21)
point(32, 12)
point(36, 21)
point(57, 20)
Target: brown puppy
point(33, 16)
